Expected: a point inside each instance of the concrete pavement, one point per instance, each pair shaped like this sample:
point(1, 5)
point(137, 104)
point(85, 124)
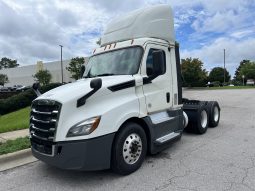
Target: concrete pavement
point(13, 135)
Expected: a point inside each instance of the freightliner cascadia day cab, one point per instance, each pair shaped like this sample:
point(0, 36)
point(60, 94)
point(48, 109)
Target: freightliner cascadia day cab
point(127, 104)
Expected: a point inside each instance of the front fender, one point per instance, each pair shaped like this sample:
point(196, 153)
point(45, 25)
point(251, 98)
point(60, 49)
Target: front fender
point(114, 108)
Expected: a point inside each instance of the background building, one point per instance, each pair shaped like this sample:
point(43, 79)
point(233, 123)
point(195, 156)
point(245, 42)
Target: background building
point(23, 75)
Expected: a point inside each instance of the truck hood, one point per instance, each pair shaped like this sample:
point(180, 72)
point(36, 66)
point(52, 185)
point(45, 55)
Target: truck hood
point(81, 87)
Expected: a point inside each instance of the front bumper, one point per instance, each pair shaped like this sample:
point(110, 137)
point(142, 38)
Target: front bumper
point(91, 154)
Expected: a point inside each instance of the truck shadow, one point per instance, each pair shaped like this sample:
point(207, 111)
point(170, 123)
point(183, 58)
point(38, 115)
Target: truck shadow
point(67, 178)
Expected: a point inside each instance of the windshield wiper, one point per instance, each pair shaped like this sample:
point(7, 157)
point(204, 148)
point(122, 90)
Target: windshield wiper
point(105, 74)
point(92, 76)
point(88, 76)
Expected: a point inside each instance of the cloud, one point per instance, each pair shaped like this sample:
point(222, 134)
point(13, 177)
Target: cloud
point(243, 33)
point(32, 30)
point(212, 54)
point(118, 6)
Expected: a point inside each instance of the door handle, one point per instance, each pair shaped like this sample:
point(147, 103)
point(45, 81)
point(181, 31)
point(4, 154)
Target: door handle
point(167, 97)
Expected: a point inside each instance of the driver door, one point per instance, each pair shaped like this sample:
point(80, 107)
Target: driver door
point(157, 93)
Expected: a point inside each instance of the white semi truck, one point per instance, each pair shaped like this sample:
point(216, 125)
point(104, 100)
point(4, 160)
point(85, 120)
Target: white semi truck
point(127, 104)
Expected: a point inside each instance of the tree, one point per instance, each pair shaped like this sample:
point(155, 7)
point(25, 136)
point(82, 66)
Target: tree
point(246, 69)
point(43, 76)
point(237, 76)
point(3, 79)
point(75, 67)
point(8, 63)
point(193, 73)
point(217, 74)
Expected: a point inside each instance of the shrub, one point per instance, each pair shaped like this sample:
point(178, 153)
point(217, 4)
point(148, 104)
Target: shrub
point(22, 100)
point(16, 102)
point(5, 95)
point(237, 83)
point(50, 86)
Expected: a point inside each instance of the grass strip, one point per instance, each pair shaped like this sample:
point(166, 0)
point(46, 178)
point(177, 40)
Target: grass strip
point(231, 87)
point(221, 88)
point(11, 146)
point(15, 120)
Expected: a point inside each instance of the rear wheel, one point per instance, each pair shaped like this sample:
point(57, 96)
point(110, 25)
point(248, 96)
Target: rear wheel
point(129, 149)
point(198, 120)
point(214, 113)
point(202, 123)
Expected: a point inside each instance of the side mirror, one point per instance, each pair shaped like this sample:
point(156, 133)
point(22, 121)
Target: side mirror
point(36, 87)
point(96, 84)
point(157, 63)
point(83, 68)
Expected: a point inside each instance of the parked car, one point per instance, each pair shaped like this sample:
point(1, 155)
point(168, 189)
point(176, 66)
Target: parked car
point(23, 88)
point(214, 84)
point(5, 89)
point(19, 88)
point(15, 87)
point(250, 82)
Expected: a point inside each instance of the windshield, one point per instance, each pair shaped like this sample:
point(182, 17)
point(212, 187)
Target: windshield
point(118, 62)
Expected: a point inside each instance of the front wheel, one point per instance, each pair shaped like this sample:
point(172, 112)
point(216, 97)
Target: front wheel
point(129, 149)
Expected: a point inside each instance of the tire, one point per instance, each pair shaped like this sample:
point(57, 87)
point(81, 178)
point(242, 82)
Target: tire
point(198, 120)
point(129, 149)
point(213, 113)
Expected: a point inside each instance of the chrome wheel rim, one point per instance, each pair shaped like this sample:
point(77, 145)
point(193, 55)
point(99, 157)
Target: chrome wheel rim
point(132, 148)
point(203, 119)
point(216, 114)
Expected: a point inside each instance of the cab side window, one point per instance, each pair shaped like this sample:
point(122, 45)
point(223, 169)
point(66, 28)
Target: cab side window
point(149, 67)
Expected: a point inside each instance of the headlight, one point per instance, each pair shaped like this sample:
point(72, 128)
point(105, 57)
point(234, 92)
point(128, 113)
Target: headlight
point(84, 127)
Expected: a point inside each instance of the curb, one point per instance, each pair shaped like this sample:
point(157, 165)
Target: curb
point(19, 158)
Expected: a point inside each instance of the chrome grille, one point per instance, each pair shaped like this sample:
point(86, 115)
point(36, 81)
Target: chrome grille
point(43, 124)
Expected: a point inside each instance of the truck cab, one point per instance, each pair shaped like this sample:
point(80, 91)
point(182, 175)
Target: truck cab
point(127, 104)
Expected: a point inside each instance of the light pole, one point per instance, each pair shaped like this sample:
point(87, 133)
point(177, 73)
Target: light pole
point(243, 79)
point(224, 67)
point(61, 60)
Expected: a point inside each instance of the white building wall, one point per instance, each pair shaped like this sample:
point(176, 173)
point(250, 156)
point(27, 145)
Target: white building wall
point(23, 75)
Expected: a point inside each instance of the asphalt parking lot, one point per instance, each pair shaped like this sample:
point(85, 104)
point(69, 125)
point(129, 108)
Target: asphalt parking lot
point(221, 159)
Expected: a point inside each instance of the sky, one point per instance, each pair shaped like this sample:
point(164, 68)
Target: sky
point(32, 30)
